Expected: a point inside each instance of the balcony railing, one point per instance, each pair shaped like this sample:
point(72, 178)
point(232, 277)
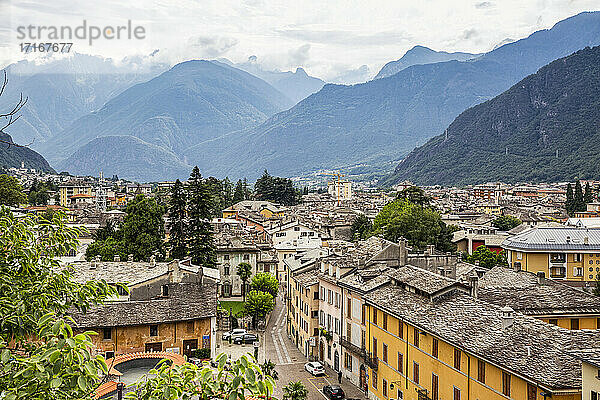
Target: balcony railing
point(372, 362)
point(360, 351)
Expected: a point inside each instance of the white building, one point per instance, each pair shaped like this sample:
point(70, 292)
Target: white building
point(340, 190)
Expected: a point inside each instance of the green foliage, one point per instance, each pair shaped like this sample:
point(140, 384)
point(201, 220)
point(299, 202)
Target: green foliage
point(326, 334)
point(295, 391)
point(202, 353)
point(177, 221)
point(361, 227)
point(268, 368)
point(259, 304)
point(244, 270)
point(35, 295)
point(11, 191)
point(188, 381)
point(141, 234)
point(487, 258)
point(419, 225)
point(238, 194)
point(506, 222)
point(276, 189)
point(570, 203)
point(588, 196)
point(578, 203)
point(200, 205)
point(38, 192)
point(577, 200)
point(265, 282)
point(415, 195)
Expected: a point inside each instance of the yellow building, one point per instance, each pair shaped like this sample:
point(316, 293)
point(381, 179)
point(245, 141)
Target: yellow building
point(72, 189)
point(565, 253)
point(428, 337)
point(304, 311)
point(265, 208)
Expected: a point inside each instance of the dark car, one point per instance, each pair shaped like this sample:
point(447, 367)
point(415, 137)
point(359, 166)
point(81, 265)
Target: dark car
point(246, 338)
point(333, 392)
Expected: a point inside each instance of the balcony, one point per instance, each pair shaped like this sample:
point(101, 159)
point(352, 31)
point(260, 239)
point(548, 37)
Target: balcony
point(372, 362)
point(352, 347)
point(558, 272)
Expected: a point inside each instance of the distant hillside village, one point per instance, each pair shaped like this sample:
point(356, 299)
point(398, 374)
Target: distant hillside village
point(506, 306)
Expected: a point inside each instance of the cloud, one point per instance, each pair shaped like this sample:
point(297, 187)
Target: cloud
point(345, 36)
point(352, 76)
point(484, 4)
point(299, 56)
point(212, 46)
point(469, 34)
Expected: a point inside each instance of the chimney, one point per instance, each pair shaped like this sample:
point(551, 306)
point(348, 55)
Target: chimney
point(474, 279)
point(430, 249)
point(337, 272)
point(586, 240)
point(440, 271)
point(517, 266)
point(402, 252)
point(541, 276)
point(130, 258)
point(117, 258)
point(508, 317)
point(152, 261)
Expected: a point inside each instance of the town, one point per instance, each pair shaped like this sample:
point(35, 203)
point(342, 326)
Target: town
point(489, 290)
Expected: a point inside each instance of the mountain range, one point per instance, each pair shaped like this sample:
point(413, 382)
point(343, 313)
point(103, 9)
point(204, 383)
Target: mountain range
point(382, 120)
point(421, 55)
point(14, 156)
point(544, 128)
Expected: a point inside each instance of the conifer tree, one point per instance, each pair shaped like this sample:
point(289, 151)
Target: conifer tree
point(579, 204)
point(570, 203)
point(177, 221)
point(201, 245)
point(238, 194)
point(587, 196)
point(227, 187)
point(247, 193)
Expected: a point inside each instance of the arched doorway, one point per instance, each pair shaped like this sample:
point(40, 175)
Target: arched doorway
point(363, 377)
point(336, 361)
point(321, 351)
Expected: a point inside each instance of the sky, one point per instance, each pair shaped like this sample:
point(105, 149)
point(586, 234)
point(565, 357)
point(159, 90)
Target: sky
point(342, 41)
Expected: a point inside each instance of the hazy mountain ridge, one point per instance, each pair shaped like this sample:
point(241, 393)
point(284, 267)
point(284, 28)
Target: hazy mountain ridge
point(13, 156)
point(515, 136)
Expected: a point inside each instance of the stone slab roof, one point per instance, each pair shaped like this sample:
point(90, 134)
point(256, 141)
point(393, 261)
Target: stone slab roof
point(187, 301)
point(590, 356)
point(530, 348)
point(522, 291)
point(121, 271)
point(421, 279)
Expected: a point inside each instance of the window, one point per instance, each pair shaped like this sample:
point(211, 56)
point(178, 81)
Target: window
point(435, 382)
point(400, 363)
point(578, 271)
point(553, 321)
point(296, 228)
point(107, 334)
point(246, 257)
point(122, 291)
point(457, 355)
point(374, 347)
point(375, 316)
point(349, 308)
point(348, 361)
point(329, 351)
point(374, 383)
point(349, 331)
point(364, 314)
point(400, 329)
point(577, 257)
point(385, 359)
point(456, 395)
point(316, 295)
point(385, 321)
point(505, 384)
point(226, 271)
point(416, 337)
point(415, 372)
point(481, 371)
point(226, 257)
point(597, 323)
point(384, 387)
point(519, 255)
point(594, 395)
point(153, 330)
point(574, 323)
point(363, 339)
point(164, 290)
point(190, 327)
point(434, 347)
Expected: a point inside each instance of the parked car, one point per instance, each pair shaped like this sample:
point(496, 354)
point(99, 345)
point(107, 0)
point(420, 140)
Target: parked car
point(315, 368)
point(333, 392)
point(246, 338)
point(195, 361)
point(234, 333)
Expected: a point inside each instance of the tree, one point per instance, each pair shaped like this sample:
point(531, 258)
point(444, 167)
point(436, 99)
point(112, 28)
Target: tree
point(506, 222)
point(200, 240)
point(276, 189)
point(419, 225)
point(244, 271)
point(177, 221)
point(570, 203)
point(268, 368)
point(487, 258)
point(295, 391)
point(265, 282)
point(143, 228)
point(258, 305)
point(238, 194)
point(578, 202)
point(587, 196)
point(36, 294)
point(361, 227)
point(38, 194)
point(11, 191)
point(188, 381)
point(415, 195)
